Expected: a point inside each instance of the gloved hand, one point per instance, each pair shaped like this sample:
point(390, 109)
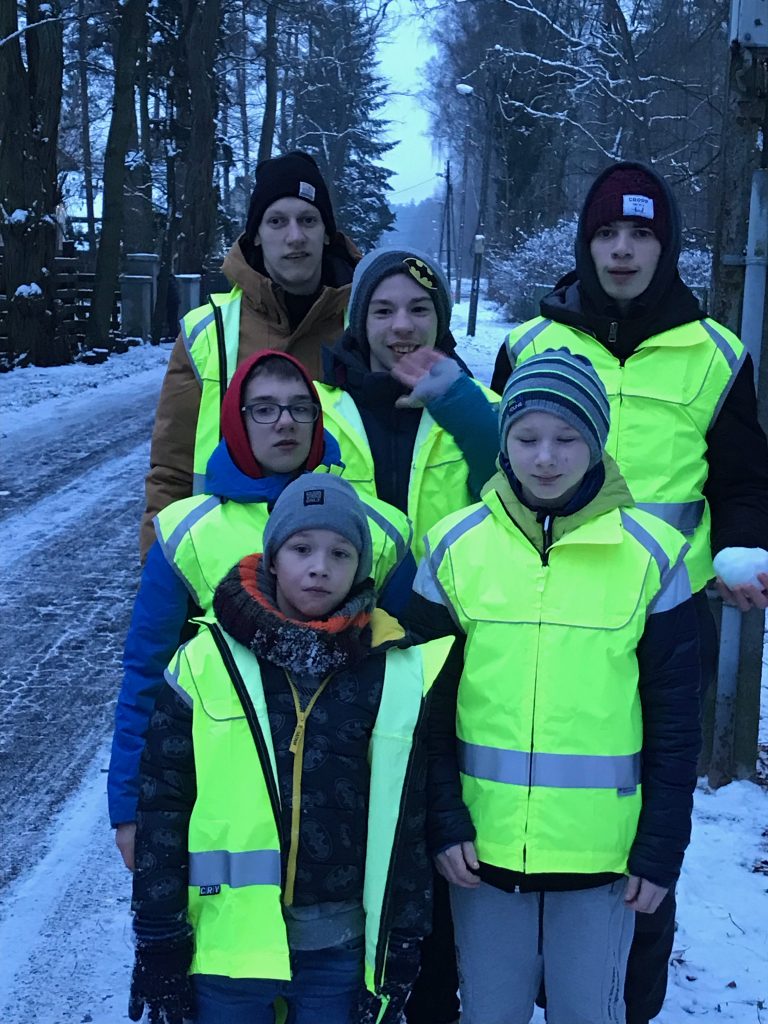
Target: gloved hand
point(160, 981)
point(403, 958)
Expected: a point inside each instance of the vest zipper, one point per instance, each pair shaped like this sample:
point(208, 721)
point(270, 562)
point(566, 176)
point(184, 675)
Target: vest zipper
point(547, 539)
point(386, 906)
point(613, 332)
point(253, 722)
point(297, 749)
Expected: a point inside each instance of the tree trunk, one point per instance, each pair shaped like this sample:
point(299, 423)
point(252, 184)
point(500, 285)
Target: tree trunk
point(129, 27)
point(85, 114)
point(30, 102)
point(199, 212)
point(242, 97)
point(269, 120)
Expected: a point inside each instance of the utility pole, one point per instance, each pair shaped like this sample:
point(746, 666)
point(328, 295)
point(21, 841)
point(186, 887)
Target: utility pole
point(446, 223)
point(462, 216)
point(739, 276)
point(479, 241)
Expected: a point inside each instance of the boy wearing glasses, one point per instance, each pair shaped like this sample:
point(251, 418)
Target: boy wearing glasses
point(272, 431)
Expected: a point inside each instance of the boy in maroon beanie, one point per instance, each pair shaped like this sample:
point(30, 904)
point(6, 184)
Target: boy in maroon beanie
point(684, 427)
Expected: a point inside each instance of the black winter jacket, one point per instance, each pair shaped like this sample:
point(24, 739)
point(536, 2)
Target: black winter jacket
point(737, 452)
point(168, 791)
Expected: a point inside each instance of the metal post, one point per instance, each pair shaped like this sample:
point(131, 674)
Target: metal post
point(722, 762)
point(460, 240)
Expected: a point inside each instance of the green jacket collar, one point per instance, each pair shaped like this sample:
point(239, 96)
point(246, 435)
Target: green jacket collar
point(613, 494)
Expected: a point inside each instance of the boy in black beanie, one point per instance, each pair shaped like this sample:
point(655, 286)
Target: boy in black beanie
point(291, 271)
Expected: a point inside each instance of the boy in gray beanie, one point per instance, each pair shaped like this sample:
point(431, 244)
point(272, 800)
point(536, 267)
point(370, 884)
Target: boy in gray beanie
point(320, 502)
point(283, 775)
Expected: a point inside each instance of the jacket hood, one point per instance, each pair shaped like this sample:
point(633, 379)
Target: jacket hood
point(579, 301)
point(666, 270)
point(244, 266)
point(224, 479)
point(614, 493)
point(233, 429)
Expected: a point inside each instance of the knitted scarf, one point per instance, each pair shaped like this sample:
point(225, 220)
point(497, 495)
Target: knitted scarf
point(245, 606)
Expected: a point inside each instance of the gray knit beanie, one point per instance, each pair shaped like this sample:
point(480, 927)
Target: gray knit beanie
point(386, 261)
point(564, 384)
point(316, 501)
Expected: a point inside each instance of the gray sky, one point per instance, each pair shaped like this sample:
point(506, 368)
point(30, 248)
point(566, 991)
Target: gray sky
point(402, 61)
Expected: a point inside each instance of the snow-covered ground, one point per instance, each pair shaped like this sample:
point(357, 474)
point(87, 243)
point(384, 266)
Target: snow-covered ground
point(75, 441)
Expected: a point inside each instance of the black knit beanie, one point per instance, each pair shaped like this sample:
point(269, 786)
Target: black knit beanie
point(296, 174)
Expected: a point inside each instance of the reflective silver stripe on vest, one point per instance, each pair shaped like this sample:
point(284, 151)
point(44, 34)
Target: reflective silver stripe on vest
point(171, 545)
point(727, 388)
point(172, 678)
point(562, 771)
point(198, 483)
point(685, 516)
point(675, 587)
point(222, 867)
point(532, 332)
point(472, 520)
point(201, 325)
point(723, 345)
point(388, 528)
point(649, 542)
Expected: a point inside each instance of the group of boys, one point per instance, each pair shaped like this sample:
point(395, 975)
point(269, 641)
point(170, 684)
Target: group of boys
point(531, 728)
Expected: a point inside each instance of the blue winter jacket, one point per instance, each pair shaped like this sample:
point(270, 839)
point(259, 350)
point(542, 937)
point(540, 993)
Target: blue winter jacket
point(160, 611)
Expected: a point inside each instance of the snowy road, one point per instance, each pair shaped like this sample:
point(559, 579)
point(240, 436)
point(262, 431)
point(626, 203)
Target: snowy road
point(72, 497)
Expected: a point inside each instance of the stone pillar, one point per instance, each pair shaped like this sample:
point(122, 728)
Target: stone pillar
point(189, 292)
point(143, 264)
point(136, 306)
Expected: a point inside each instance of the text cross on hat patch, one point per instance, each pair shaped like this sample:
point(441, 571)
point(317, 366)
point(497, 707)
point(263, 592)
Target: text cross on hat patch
point(638, 206)
point(306, 191)
point(314, 497)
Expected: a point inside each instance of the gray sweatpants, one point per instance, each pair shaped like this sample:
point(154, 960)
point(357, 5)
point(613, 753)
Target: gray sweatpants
point(507, 942)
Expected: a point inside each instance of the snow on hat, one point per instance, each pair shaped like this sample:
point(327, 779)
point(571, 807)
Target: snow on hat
point(385, 262)
point(319, 502)
point(564, 384)
point(296, 174)
point(627, 193)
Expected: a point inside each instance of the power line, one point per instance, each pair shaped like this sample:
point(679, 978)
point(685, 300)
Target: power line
point(398, 191)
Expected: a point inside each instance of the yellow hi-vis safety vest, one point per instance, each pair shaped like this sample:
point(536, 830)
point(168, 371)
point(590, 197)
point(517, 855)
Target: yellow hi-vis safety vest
point(664, 399)
point(202, 537)
point(235, 884)
point(211, 336)
point(549, 723)
point(438, 482)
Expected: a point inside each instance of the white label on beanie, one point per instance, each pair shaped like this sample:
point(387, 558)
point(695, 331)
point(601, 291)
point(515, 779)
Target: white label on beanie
point(307, 191)
point(638, 206)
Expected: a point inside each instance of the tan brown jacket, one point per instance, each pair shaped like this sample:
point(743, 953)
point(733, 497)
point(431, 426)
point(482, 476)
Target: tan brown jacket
point(263, 324)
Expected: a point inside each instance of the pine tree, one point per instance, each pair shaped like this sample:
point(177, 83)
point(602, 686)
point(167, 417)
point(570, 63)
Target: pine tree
point(336, 106)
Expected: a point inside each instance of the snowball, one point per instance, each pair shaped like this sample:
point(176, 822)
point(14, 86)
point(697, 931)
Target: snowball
point(739, 566)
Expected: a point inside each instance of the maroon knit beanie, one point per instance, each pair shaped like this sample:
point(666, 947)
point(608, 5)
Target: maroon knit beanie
point(628, 193)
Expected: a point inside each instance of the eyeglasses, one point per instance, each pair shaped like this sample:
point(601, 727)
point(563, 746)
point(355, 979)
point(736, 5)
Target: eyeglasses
point(270, 412)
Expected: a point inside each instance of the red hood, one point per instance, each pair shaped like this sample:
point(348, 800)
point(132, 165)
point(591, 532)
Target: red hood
point(233, 427)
